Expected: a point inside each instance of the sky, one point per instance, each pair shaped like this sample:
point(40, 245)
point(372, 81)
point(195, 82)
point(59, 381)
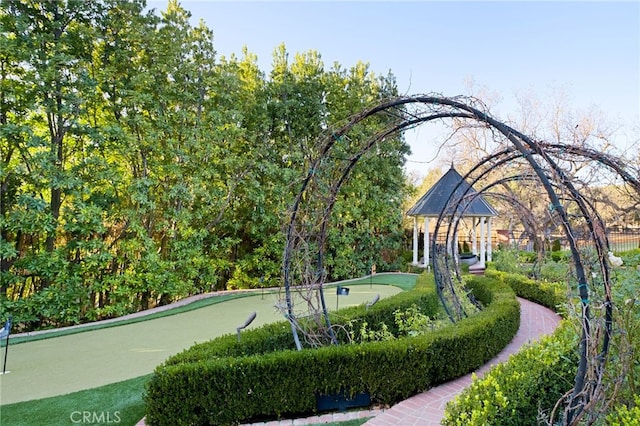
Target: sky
point(585, 52)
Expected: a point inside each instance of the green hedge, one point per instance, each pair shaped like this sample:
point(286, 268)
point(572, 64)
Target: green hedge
point(277, 336)
point(517, 391)
point(203, 386)
point(533, 380)
point(549, 294)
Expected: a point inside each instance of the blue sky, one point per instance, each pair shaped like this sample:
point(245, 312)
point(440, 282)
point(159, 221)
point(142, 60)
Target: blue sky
point(590, 51)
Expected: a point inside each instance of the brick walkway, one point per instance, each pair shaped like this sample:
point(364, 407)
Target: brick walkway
point(427, 408)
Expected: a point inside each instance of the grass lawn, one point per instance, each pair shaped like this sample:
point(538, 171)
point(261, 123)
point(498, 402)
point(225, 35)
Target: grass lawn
point(116, 403)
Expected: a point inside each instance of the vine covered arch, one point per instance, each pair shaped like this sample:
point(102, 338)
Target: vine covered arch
point(340, 148)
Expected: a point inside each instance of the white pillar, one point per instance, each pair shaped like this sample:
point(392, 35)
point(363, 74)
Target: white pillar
point(427, 225)
point(483, 245)
point(415, 240)
point(474, 236)
point(489, 241)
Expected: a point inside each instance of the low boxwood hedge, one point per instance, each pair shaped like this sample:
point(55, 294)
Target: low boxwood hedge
point(527, 386)
point(549, 294)
point(520, 391)
point(221, 383)
point(277, 336)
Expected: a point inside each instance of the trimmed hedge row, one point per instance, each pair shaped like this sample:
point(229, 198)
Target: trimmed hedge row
point(277, 336)
point(517, 392)
point(214, 389)
point(548, 294)
point(533, 380)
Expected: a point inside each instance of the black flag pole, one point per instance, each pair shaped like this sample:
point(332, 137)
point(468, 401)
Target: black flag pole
point(6, 330)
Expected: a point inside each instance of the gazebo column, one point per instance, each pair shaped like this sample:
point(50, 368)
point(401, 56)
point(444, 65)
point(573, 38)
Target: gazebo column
point(415, 240)
point(483, 245)
point(474, 236)
point(489, 241)
point(427, 225)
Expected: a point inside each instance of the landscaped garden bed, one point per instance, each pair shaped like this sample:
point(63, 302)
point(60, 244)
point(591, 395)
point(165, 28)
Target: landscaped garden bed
point(226, 382)
point(526, 389)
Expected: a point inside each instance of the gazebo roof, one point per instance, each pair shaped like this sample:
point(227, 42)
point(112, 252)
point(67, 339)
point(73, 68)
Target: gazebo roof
point(433, 201)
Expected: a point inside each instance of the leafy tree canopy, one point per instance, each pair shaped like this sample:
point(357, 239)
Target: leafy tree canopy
point(138, 168)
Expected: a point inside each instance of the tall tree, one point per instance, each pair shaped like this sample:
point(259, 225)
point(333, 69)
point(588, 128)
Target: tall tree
point(53, 43)
point(138, 169)
point(15, 106)
point(368, 225)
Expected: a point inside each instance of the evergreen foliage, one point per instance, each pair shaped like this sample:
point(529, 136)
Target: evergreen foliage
point(519, 391)
point(139, 168)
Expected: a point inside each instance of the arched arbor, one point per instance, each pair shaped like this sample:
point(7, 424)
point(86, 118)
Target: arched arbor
point(339, 149)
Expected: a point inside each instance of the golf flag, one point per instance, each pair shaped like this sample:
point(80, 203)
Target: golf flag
point(342, 291)
point(4, 333)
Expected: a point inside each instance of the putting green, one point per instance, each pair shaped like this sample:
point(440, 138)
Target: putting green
point(60, 365)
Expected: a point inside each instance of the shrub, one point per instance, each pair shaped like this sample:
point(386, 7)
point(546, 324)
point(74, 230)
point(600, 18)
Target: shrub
point(623, 415)
point(531, 382)
point(560, 256)
point(204, 386)
point(506, 260)
point(631, 257)
point(527, 256)
point(516, 392)
point(554, 271)
point(549, 294)
point(423, 297)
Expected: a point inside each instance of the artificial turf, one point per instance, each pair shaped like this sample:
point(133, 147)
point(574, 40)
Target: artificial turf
point(110, 353)
point(117, 403)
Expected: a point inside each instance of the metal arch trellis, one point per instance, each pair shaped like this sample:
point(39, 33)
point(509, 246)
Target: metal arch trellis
point(315, 279)
point(309, 215)
point(453, 212)
point(489, 163)
point(485, 191)
point(597, 232)
point(504, 157)
point(580, 396)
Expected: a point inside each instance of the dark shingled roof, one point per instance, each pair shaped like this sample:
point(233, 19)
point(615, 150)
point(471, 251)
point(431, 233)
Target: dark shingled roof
point(432, 203)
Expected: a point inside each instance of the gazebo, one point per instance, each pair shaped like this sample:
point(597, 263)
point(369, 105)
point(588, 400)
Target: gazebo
point(432, 203)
